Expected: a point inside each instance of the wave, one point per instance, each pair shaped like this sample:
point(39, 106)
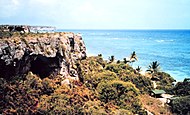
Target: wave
point(119, 38)
point(99, 34)
point(161, 41)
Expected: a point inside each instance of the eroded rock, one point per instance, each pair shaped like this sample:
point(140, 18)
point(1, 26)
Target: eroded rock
point(43, 54)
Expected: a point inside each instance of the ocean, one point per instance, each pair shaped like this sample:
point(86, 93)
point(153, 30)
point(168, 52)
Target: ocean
point(171, 48)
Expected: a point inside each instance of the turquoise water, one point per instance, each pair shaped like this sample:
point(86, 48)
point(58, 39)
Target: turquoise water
point(171, 48)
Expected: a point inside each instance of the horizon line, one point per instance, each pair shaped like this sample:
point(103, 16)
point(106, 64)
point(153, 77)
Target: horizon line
point(127, 29)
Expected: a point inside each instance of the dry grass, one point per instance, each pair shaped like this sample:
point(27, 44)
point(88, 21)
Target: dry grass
point(154, 105)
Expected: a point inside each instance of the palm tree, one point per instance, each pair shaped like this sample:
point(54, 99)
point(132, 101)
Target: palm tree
point(112, 58)
point(125, 61)
point(133, 57)
point(118, 61)
point(138, 69)
point(153, 67)
point(99, 55)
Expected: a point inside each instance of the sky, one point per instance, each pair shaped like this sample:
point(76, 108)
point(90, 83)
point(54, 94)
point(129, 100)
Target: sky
point(98, 14)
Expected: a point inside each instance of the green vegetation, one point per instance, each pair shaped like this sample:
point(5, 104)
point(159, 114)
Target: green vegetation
point(138, 69)
point(111, 59)
point(20, 97)
point(182, 88)
point(133, 57)
point(122, 94)
point(105, 88)
point(125, 60)
point(181, 105)
point(127, 73)
point(154, 67)
point(5, 34)
point(165, 81)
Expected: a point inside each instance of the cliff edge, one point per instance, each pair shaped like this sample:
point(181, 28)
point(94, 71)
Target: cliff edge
point(43, 54)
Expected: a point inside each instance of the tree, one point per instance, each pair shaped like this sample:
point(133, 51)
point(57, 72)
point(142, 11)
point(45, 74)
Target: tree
point(100, 55)
point(112, 58)
point(125, 60)
point(133, 57)
point(154, 67)
point(181, 105)
point(118, 61)
point(122, 94)
point(138, 69)
point(182, 88)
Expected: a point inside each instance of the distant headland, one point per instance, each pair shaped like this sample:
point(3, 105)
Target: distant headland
point(26, 28)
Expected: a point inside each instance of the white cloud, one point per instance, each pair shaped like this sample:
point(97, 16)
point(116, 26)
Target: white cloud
point(87, 11)
point(95, 13)
point(65, 13)
point(9, 8)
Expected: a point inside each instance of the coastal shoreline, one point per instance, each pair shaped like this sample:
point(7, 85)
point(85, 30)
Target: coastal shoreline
point(171, 53)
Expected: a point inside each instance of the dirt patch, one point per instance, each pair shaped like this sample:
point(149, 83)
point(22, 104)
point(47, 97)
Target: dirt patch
point(155, 106)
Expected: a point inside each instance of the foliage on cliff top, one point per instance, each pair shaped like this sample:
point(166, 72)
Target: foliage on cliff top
point(7, 34)
point(96, 69)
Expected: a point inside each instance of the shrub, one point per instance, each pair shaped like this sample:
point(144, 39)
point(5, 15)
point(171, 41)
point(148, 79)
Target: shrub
point(65, 101)
point(104, 76)
point(182, 89)
point(141, 82)
point(17, 98)
point(118, 67)
point(122, 94)
point(48, 86)
point(126, 73)
point(181, 105)
point(165, 81)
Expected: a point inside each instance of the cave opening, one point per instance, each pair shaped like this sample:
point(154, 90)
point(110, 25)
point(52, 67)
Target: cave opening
point(72, 43)
point(6, 71)
point(45, 66)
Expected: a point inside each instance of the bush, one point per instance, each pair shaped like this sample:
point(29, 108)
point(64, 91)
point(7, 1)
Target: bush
point(181, 105)
point(93, 72)
point(126, 73)
point(90, 66)
point(104, 76)
point(165, 81)
point(17, 98)
point(182, 89)
point(119, 67)
point(122, 94)
point(65, 101)
point(48, 86)
point(141, 82)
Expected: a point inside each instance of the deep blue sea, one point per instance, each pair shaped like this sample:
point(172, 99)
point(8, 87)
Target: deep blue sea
point(171, 48)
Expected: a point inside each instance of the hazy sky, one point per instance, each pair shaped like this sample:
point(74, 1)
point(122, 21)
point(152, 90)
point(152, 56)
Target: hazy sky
point(98, 14)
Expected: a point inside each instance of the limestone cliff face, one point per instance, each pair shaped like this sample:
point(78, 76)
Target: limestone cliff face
point(43, 54)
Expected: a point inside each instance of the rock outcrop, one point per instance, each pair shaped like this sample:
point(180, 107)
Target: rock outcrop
point(43, 54)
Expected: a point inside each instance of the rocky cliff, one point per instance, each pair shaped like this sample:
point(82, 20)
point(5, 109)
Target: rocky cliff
point(43, 54)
